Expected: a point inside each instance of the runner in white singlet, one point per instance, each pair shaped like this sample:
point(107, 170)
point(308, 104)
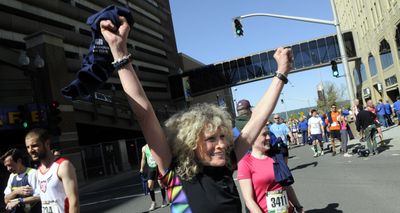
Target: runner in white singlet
point(52, 192)
point(56, 176)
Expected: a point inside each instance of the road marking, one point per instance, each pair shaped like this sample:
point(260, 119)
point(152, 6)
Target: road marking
point(396, 154)
point(115, 198)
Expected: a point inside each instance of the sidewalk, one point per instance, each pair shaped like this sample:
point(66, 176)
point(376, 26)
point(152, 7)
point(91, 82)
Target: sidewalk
point(391, 137)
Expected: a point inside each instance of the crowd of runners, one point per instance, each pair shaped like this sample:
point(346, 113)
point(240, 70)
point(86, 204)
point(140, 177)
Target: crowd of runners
point(339, 125)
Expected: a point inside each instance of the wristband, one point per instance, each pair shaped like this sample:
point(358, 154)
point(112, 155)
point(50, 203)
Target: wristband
point(281, 77)
point(121, 62)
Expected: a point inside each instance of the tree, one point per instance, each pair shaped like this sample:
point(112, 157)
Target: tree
point(333, 94)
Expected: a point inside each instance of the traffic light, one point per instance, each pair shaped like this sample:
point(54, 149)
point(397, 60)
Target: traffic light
point(54, 118)
point(238, 27)
point(24, 118)
point(335, 71)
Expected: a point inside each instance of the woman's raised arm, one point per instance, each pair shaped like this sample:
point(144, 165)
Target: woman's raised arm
point(141, 106)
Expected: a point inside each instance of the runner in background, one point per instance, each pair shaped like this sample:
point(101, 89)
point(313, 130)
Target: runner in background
point(316, 131)
point(152, 176)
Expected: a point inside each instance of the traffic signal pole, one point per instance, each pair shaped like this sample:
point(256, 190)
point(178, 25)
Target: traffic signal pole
point(335, 22)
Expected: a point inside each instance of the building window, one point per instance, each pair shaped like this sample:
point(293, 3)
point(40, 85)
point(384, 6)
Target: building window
point(363, 73)
point(397, 38)
point(385, 54)
point(391, 81)
point(356, 78)
point(372, 65)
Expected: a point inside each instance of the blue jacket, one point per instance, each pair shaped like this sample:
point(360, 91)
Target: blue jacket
point(388, 109)
point(380, 109)
point(303, 126)
point(396, 106)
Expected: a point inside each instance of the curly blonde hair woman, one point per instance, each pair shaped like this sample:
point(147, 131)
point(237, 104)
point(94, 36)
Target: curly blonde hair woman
point(193, 154)
point(184, 130)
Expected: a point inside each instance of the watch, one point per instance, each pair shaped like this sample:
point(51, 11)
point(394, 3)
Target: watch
point(281, 77)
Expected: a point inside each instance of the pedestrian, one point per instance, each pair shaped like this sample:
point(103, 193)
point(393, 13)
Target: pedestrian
point(56, 176)
point(334, 127)
point(378, 125)
point(366, 121)
point(380, 112)
point(316, 131)
point(109, 158)
point(388, 113)
point(21, 194)
point(303, 127)
point(324, 119)
point(344, 135)
point(294, 128)
point(243, 108)
point(195, 154)
point(257, 182)
point(152, 174)
point(281, 130)
point(396, 109)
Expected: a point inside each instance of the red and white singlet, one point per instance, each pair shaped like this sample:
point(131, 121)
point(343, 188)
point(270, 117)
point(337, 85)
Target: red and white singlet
point(52, 194)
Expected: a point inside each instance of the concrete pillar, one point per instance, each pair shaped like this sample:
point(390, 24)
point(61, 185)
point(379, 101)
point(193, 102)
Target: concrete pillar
point(52, 78)
point(124, 155)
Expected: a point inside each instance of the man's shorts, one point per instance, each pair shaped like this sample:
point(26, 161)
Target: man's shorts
point(335, 134)
point(315, 137)
point(152, 173)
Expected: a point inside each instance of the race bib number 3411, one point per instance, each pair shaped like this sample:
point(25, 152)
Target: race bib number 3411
point(277, 202)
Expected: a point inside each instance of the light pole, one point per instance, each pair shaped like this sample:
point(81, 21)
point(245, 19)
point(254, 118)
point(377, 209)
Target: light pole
point(335, 22)
point(284, 105)
point(39, 63)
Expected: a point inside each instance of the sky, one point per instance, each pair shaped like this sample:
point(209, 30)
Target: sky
point(204, 31)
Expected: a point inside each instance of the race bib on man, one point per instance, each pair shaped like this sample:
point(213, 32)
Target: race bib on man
point(334, 124)
point(50, 207)
point(277, 202)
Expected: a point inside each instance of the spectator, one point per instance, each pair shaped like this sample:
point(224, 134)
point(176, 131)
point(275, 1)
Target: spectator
point(388, 113)
point(303, 127)
point(21, 193)
point(396, 109)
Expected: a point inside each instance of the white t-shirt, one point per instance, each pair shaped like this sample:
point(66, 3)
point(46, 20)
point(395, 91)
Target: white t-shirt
point(31, 180)
point(315, 124)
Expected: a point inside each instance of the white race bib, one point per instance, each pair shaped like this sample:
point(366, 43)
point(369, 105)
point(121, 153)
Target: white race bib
point(277, 202)
point(51, 207)
point(334, 124)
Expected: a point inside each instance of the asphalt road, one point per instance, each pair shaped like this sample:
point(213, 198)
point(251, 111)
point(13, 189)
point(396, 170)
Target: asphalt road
point(326, 184)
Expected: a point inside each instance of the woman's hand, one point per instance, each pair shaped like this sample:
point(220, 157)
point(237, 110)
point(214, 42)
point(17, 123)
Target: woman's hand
point(116, 37)
point(284, 59)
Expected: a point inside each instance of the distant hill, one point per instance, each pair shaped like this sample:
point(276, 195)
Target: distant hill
point(306, 110)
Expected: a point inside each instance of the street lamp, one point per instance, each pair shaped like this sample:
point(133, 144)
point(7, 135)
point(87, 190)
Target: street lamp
point(39, 63)
point(335, 22)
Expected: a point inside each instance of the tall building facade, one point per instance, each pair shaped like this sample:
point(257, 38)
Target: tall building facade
point(376, 30)
point(42, 44)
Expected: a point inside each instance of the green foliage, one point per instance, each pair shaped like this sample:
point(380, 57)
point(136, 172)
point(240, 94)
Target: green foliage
point(333, 95)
